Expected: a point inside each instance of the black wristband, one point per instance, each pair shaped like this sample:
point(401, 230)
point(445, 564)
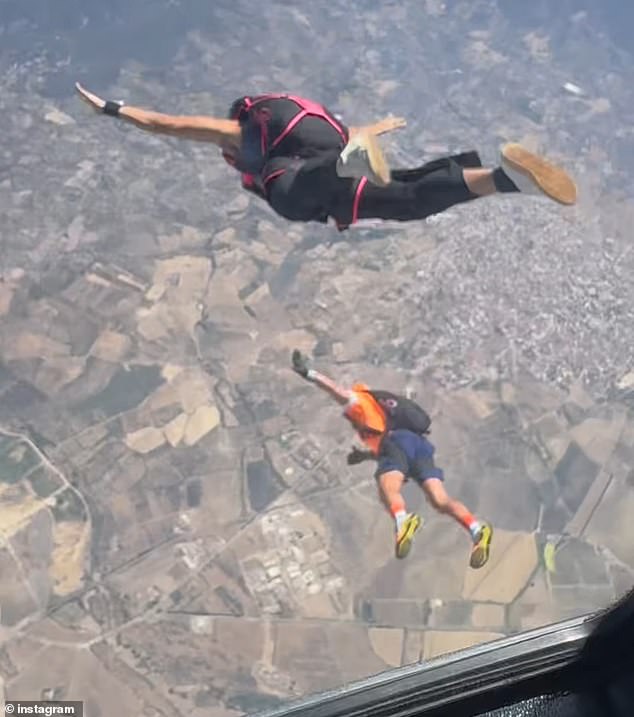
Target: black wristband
point(112, 108)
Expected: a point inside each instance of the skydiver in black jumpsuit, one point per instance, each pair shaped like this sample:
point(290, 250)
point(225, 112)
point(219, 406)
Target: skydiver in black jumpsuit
point(308, 166)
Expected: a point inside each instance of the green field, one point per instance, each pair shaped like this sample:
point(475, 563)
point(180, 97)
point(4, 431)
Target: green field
point(16, 459)
point(44, 482)
point(68, 507)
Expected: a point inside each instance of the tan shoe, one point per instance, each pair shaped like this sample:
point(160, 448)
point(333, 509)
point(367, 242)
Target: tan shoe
point(532, 174)
point(363, 157)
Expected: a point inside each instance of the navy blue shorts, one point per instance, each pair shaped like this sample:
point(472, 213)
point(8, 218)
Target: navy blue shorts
point(410, 454)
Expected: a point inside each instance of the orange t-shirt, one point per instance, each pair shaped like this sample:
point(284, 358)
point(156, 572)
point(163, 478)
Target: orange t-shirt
point(367, 417)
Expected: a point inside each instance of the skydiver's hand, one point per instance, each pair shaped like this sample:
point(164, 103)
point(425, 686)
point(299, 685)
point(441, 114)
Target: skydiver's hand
point(356, 456)
point(108, 107)
point(389, 124)
point(300, 364)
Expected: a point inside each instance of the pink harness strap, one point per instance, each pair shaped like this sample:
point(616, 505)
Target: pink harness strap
point(273, 176)
point(307, 108)
point(355, 206)
point(289, 127)
point(316, 110)
point(357, 200)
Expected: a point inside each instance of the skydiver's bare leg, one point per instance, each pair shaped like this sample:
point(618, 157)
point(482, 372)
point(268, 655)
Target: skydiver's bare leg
point(481, 532)
point(440, 501)
point(480, 181)
point(390, 484)
point(389, 487)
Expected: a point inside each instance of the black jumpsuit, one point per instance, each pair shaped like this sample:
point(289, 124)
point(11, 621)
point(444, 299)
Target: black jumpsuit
point(300, 182)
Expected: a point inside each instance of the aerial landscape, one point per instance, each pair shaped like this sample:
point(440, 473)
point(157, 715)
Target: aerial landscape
point(180, 533)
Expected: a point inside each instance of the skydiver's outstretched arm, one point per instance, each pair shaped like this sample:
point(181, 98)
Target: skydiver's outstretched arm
point(341, 395)
point(300, 366)
point(201, 128)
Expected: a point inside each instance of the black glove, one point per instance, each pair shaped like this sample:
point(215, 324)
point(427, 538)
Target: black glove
point(356, 456)
point(300, 363)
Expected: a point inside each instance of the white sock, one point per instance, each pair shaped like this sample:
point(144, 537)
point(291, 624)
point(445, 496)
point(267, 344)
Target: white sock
point(474, 529)
point(399, 517)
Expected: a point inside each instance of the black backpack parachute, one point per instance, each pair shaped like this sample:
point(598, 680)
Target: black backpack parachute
point(272, 125)
point(401, 412)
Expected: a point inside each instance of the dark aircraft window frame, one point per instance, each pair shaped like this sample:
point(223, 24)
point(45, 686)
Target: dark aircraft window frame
point(580, 667)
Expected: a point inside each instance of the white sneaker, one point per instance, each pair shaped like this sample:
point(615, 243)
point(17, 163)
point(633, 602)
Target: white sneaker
point(363, 157)
point(532, 174)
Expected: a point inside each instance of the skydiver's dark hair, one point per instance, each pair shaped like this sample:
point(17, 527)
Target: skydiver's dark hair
point(237, 109)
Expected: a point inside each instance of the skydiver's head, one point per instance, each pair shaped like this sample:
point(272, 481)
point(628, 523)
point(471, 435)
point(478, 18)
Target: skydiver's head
point(238, 110)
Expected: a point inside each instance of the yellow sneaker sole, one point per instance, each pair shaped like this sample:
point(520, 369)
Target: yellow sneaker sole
point(405, 538)
point(481, 551)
